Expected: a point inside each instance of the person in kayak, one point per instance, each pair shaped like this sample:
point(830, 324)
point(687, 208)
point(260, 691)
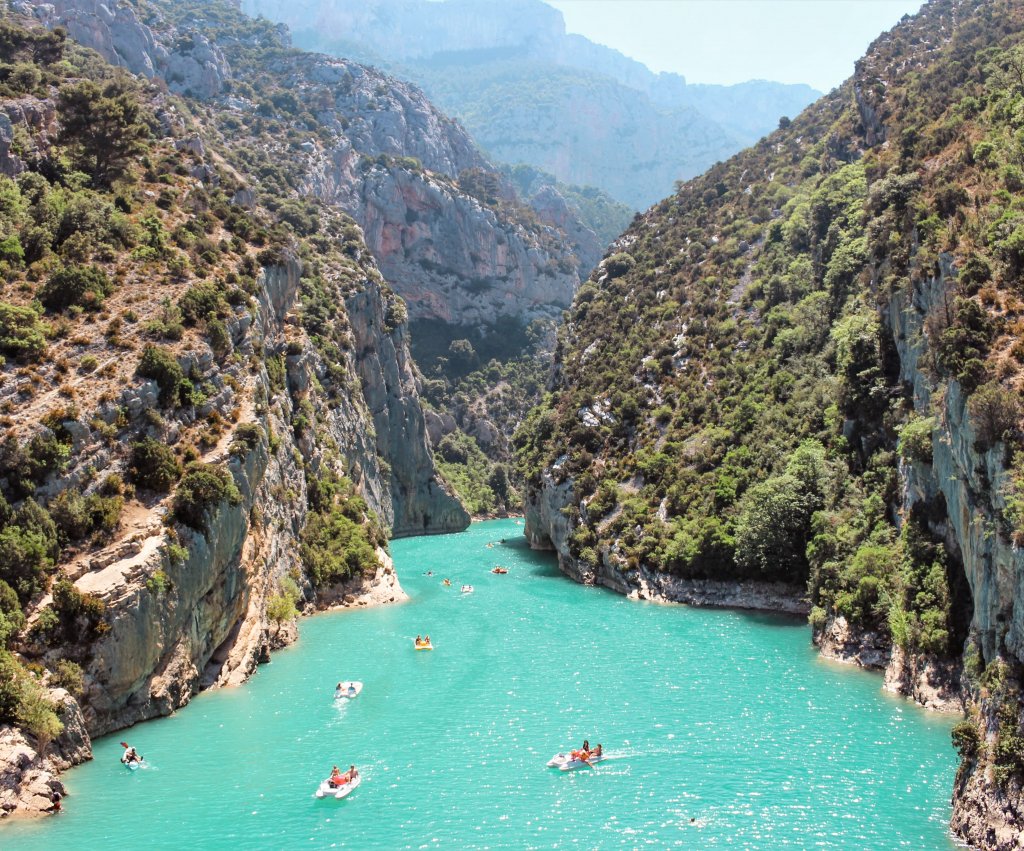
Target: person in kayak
point(426, 641)
point(130, 756)
point(597, 751)
point(584, 752)
point(419, 641)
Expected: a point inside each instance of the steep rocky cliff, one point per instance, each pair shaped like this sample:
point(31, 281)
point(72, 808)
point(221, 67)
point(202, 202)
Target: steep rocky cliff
point(816, 384)
point(212, 415)
point(447, 230)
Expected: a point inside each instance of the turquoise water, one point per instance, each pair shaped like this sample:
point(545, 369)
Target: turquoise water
point(726, 718)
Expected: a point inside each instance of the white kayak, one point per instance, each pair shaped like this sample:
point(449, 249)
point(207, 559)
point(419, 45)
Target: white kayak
point(467, 589)
point(349, 689)
point(326, 790)
point(132, 766)
point(566, 761)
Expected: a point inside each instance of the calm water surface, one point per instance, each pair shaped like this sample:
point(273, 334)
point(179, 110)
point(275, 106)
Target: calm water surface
point(725, 731)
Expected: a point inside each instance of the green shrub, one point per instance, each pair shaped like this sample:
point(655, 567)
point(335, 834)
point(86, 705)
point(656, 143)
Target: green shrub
point(282, 605)
point(26, 559)
point(154, 465)
point(204, 486)
point(11, 251)
point(915, 442)
point(22, 333)
point(69, 513)
point(104, 125)
point(86, 286)
point(79, 615)
point(335, 547)
point(160, 365)
point(619, 264)
point(78, 516)
point(246, 438)
point(12, 618)
point(68, 675)
point(158, 583)
point(772, 528)
point(966, 738)
point(1009, 747)
point(995, 413)
point(23, 702)
point(202, 300)
point(220, 339)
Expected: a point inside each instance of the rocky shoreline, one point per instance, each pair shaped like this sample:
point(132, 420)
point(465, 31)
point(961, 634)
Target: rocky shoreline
point(933, 683)
point(29, 781)
point(773, 597)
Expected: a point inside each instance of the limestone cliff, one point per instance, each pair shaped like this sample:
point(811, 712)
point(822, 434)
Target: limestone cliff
point(258, 368)
point(447, 230)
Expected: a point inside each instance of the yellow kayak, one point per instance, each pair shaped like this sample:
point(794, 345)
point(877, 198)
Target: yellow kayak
point(424, 646)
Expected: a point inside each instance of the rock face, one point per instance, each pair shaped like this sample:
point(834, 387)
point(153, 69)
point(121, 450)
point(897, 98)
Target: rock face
point(391, 160)
point(952, 468)
point(192, 66)
point(420, 503)
point(206, 624)
point(28, 780)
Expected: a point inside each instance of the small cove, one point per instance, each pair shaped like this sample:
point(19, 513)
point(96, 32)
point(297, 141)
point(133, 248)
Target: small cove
point(727, 718)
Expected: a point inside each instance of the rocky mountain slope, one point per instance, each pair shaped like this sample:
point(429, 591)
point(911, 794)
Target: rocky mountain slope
point(211, 415)
point(451, 234)
point(801, 375)
point(446, 229)
point(531, 93)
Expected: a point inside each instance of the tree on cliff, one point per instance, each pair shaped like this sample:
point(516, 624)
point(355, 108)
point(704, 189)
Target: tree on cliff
point(103, 126)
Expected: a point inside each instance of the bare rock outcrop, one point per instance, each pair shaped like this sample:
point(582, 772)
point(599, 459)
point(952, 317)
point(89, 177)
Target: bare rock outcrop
point(191, 65)
point(29, 779)
point(421, 503)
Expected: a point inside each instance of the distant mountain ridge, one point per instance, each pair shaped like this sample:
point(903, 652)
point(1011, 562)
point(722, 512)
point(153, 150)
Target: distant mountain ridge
point(530, 92)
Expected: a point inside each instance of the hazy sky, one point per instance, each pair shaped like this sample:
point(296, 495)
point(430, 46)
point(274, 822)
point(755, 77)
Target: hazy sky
point(728, 41)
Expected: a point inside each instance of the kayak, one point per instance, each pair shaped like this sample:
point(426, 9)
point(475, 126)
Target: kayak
point(424, 646)
point(326, 790)
point(500, 570)
point(566, 762)
point(467, 589)
point(349, 689)
point(132, 766)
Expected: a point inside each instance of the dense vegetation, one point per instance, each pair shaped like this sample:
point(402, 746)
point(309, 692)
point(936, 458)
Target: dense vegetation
point(484, 382)
point(729, 402)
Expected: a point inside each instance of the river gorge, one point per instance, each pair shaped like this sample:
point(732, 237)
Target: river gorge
point(724, 729)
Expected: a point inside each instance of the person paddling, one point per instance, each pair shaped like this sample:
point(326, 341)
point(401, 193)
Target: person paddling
point(130, 754)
